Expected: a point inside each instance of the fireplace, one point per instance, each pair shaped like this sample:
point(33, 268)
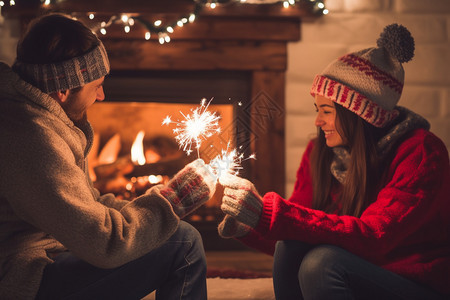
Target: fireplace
point(136, 105)
point(132, 114)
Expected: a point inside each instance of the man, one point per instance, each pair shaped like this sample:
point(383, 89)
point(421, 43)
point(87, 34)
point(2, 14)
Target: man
point(59, 238)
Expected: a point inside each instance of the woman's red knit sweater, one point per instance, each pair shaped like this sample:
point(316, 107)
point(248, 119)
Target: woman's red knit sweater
point(406, 230)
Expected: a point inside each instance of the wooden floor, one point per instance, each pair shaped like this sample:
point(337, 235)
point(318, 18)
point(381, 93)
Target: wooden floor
point(240, 260)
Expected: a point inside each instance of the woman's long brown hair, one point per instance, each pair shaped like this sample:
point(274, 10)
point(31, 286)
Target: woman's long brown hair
point(364, 173)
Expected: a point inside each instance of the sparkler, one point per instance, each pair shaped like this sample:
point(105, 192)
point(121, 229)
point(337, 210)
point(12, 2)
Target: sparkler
point(200, 125)
point(195, 127)
point(228, 162)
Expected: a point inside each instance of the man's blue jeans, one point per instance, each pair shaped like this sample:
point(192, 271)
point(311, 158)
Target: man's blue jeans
point(176, 270)
point(303, 271)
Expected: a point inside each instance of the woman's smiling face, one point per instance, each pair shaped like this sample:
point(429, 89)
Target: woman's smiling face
point(327, 121)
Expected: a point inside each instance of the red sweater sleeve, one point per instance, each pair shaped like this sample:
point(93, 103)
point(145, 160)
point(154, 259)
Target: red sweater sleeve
point(413, 202)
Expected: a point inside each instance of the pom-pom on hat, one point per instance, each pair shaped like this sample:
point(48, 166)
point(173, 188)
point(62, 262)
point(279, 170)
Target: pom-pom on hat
point(369, 82)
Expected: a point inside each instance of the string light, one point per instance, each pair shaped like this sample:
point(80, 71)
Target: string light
point(163, 31)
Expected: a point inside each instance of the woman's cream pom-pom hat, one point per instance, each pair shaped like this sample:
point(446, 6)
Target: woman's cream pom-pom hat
point(369, 82)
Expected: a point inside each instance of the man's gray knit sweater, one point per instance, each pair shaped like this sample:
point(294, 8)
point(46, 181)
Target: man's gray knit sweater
point(47, 201)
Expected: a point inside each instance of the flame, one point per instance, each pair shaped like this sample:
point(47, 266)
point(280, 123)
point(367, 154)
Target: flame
point(137, 149)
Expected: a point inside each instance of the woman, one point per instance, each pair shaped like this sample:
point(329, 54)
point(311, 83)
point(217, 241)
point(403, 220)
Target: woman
point(369, 217)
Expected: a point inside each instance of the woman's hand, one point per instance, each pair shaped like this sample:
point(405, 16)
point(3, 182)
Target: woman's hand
point(230, 228)
point(241, 200)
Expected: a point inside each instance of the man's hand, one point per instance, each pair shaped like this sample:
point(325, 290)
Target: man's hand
point(190, 188)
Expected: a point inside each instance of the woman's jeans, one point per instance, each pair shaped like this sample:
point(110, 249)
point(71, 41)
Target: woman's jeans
point(302, 271)
point(176, 270)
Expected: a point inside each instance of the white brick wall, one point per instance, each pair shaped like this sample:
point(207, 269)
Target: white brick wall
point(356, 24)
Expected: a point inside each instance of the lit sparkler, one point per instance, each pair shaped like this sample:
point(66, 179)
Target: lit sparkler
point(228, 162)
point(195, 127)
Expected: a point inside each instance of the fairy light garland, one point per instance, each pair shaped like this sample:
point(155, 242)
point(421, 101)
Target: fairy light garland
point(162, 31)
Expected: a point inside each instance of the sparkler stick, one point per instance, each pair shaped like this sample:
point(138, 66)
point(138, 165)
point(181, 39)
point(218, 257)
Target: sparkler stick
point(195, 127)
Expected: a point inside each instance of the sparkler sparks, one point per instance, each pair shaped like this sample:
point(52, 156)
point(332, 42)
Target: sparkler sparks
point(195, 127)
point(199, 126)
point(228, 162)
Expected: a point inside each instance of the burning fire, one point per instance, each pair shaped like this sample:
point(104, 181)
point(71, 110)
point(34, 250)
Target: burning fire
point(137, 149)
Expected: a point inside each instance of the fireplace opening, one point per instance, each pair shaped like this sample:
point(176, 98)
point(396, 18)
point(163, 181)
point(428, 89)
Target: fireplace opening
point(131, 120)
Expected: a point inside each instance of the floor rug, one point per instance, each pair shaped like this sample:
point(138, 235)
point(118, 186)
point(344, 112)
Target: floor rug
point(237, 274)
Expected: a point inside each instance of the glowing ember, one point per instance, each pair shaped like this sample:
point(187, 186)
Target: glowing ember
point(195, 127)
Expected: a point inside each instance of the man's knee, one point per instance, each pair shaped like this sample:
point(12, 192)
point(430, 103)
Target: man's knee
point(187, 232)
point(191, 241)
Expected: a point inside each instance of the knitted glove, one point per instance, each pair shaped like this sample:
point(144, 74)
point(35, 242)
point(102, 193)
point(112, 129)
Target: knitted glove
point(190, 188)
point(230, 228)
point(241, 200)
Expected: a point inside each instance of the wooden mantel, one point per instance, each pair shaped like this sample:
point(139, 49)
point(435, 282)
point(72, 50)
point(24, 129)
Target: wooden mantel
point(235, 36)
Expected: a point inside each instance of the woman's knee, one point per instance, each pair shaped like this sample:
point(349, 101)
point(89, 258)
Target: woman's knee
point(289, 248)
point(318, 262)
point(285, 246)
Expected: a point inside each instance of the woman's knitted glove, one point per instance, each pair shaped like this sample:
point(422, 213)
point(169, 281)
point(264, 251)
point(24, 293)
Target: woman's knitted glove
point(190, 188)
point(230, 228)
point(241, 200)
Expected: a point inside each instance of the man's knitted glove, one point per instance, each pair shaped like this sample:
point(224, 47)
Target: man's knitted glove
point(230, 228)
point(190, 188)
point(241, 200)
